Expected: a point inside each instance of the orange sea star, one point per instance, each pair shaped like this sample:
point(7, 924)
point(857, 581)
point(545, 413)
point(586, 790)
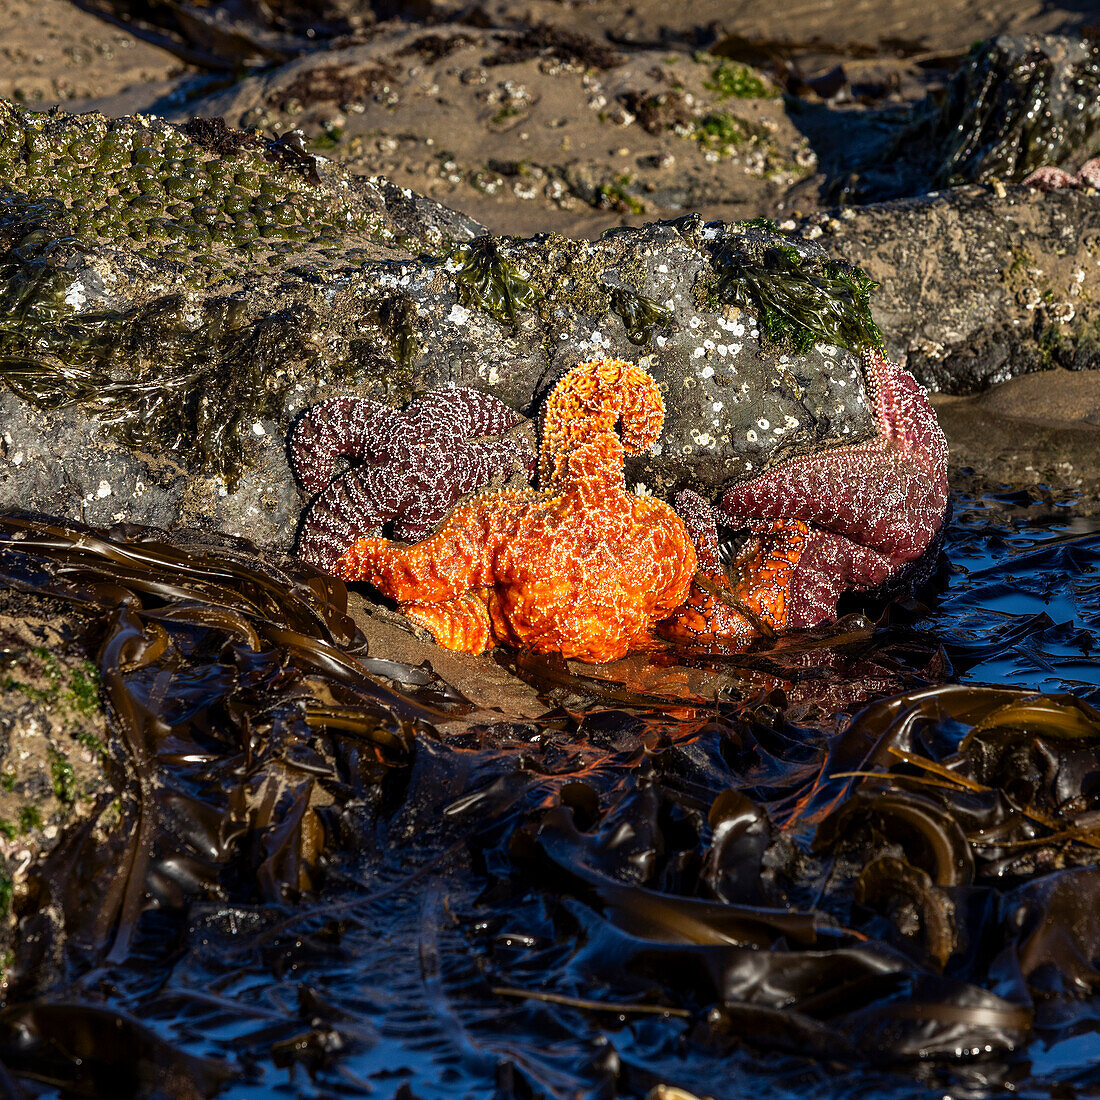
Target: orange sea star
point(752, 596)
point(580, 567)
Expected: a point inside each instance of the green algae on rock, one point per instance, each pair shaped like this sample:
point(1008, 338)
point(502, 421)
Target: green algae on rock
point(800, 297)
point(147, 186)
point(115, 237)
point(1017, 104)
point(55, 765)
point(172, 374)
point(488, 281)
point(641, 316)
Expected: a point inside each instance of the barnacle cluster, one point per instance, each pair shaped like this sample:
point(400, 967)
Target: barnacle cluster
point(800, 297)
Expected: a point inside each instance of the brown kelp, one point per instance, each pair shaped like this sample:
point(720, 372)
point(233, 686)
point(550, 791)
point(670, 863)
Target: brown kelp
point(811, 867)
point(219, 672)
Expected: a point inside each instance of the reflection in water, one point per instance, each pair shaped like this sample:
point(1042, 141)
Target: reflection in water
point(833, 867)
point(1023, 607)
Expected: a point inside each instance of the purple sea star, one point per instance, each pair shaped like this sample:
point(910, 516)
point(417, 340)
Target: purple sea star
point(413, 464)
point(861, 513)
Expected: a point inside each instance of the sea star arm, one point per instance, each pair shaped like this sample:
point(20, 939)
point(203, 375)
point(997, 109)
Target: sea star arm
point(423, 497)
point(830, 565)
point(888, 493)
point(342, 426)
point(480, 413)
point(1048, 178)
point(349, 508)
point(752, 596)
point(596, 399)
point(453, 561)
point(594, 471)
point(667, 545)
point(499, 458)
point(461, 623)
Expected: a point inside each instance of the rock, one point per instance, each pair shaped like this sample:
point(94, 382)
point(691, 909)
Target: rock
point(979, 285)
point(529, 130)
point(156, 350)
point(1018, 103)
point(56, 754)
point(1039, 432)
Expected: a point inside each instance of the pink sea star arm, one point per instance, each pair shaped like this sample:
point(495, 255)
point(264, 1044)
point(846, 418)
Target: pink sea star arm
point(1058, 179)
point(1048, 178)
point(830, 566)
point(1089, 173)
point(416, 463)
point(481, 413)
point(699, 519)
point(364, 499)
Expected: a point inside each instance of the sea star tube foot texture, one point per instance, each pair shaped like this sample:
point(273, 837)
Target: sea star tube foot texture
point(594, 399)
point(461, 623)
point(869, 509)
point(1049, 178)
point(751, 595)
point(414, 464)
point(581, 567)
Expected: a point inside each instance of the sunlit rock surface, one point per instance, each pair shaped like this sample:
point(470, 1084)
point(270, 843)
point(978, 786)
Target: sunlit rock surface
point(173, 297)
point(170, 298)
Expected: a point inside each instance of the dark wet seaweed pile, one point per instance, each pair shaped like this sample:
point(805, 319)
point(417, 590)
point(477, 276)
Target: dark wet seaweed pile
point(859, 862)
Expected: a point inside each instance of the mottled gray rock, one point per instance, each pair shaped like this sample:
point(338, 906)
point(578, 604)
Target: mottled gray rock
point(162, 358)
point(979, 284)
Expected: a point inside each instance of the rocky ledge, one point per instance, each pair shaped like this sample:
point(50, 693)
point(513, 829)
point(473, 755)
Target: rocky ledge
point(172, 296)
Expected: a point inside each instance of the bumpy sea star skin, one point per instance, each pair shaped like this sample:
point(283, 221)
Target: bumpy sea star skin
point(600, 397)
point(580, 567)
point(748, 599)
point(416, 463)
point(1058, 179)
point(867, 509)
